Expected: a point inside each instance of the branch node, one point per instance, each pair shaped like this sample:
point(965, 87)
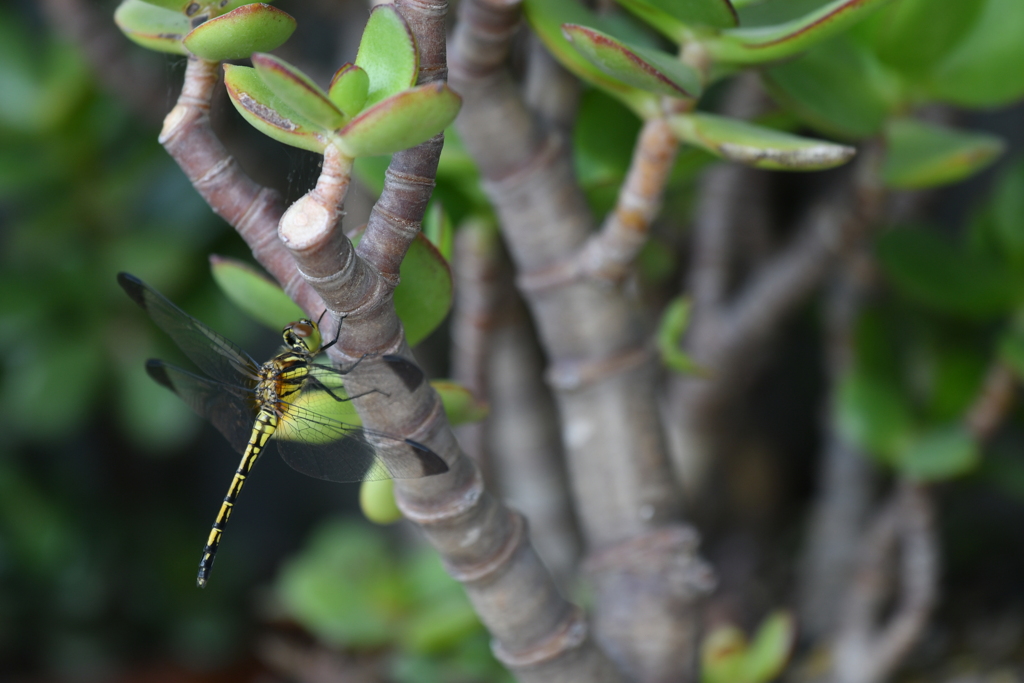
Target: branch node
point(457, 504)
point(490, 567)
point(569, 375)
point(572, 634)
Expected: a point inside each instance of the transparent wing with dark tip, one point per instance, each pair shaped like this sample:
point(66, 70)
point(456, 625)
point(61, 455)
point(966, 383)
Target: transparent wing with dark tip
point(231, 409)
point(215, 355)
point(322, 437)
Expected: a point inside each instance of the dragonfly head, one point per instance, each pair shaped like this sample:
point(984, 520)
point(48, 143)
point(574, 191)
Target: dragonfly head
point(303, 336)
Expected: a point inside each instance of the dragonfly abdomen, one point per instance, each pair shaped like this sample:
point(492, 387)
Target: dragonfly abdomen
point(262, 429)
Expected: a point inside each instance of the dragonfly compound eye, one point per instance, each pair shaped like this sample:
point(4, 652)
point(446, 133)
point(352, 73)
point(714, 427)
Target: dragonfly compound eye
point(304, 333)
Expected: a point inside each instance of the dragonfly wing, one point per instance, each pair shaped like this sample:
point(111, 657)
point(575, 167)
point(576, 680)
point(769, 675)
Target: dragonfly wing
point(214, 354)
point(231, 409)
point(343, 451)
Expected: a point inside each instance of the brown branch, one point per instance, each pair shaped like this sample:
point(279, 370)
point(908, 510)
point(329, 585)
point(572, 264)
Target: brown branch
point(869, 652)
point(525, 445)
point(609, 254)
point(494, 354)
point(602, 373)
point(720, 211)
point(253, 210)
point(551, 92)
point(483, 544)
point(993, 402)
point(397, 216)
point(846, 476)
point(786, 280)
point(479, 288)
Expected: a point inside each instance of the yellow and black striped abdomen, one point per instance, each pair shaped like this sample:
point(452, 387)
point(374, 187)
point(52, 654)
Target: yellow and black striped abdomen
point(262, 429)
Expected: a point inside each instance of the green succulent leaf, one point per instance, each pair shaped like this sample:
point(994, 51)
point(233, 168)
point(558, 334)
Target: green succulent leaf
point(401, 121)
point(872, 413)
point(423, 296)
point(674, 322)
point(439, 229)
point(1011, 351)
point(757, 146)
point(152, 27)
point(296, 90)
point(255, 293)
point(232, 5)
point(268, 113)
point(913, 36)
point(722, 655)
point(983, 70)
point(649, 70)
point(460, 405)
point(377, 501)
point(192, 8)
point(921, 155)
point(770, 648)
point(1007, 214)
point(940, 453)
point(759, 44)
point(349, 89)
point(934, 272)
point(239, 33)
point(388, 54)
point(711, 13)
point(176, 6)
point(345, 586)
point(600, 157)
point(438, 629)
point(660, 20)
point(547, 17)
point(838, 87)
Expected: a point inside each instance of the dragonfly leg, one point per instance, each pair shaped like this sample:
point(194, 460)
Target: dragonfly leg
point(337, 335)
point(265, 424)
point(314, 382)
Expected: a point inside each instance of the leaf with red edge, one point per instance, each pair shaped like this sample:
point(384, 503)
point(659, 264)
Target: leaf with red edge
point(401, 121)
point(547, 17)
point(650, 70)
point(921, 155)
point(349, 89)
point(712, 13)
point(759, 44)
point(296, 90)
point(268, 113)
point(193, 8)
point(758, 146)
point(256, 27)
point(176, 6)
point(388, 54)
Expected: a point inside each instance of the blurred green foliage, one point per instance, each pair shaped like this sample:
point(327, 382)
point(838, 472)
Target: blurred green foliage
point(727, 656)
point(89, 553)
point(404, 604)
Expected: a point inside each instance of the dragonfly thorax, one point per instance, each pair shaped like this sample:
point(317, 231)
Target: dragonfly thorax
point(282, 377)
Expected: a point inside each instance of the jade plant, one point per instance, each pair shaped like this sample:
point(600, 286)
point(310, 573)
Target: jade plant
point(660, 187)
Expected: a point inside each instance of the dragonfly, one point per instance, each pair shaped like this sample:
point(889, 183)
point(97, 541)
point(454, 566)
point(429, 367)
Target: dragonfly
point(291, 399)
